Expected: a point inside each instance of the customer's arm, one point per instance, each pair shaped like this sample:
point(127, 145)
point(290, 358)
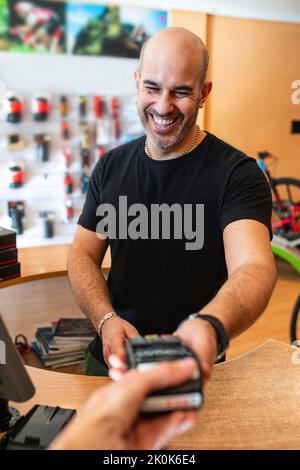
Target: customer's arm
point(91, 293)
point(244, 296)
point(110, 418)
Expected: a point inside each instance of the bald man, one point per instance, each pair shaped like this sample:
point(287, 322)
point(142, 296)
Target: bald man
point(187, 218)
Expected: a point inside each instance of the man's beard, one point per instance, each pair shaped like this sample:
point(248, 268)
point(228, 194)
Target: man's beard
point(174, 141)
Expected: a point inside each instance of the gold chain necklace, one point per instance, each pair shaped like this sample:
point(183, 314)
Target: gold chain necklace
point(187, 150)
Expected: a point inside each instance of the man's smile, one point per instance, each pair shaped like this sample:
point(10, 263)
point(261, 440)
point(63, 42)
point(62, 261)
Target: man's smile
point(163, 124)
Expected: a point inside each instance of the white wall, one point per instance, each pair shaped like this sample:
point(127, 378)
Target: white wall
point(67, 74)
point(72, 75)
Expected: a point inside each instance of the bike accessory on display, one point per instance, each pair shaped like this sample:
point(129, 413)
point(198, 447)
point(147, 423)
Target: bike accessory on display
point(13, 107)
point(117, 129)
point(67, 156)
point(15, 142)
point(17, 174)
point(63, 106)
point(103, 132)
point(84, 181)
point(68, 183)
point(69, 210)
point(47, 219)
point(85, 147)
point(82, 106)
point(42, 147)
point(98, 107)
point(16, 212)
point(65, 131)
point(115, 108)
point(41, 106)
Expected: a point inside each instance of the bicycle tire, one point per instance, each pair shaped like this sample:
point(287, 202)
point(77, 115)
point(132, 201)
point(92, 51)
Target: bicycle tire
point(287, 182)
point(293, 323)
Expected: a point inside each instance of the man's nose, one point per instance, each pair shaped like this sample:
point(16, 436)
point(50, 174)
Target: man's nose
point(164, 104)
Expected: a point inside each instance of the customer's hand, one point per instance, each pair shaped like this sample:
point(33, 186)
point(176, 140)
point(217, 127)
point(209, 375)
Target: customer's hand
point(109, 419)
point(114, 333)
point(200, 336)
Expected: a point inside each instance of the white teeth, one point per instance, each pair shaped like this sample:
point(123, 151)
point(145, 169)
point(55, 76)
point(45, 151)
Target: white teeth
point(163, 122)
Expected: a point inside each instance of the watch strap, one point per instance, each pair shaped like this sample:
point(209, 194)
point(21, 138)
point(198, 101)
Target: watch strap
point(222, 336)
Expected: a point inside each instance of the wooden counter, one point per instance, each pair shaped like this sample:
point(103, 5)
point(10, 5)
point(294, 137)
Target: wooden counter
point(251, 402)
point(45, 261)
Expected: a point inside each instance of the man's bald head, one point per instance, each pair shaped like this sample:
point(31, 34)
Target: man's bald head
point(177, 41)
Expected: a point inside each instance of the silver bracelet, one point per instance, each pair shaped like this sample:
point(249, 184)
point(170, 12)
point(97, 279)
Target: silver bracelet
point(103, 320)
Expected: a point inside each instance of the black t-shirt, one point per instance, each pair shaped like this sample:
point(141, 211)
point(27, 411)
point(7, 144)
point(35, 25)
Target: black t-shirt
point(156, 283)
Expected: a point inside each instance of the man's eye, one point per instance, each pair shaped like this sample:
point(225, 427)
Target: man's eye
point(152, 89)
point(181, 93)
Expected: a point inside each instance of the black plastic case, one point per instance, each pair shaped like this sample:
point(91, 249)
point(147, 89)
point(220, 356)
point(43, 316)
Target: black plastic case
point(38, 428)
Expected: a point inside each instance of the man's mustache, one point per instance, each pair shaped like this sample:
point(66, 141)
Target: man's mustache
point(153, 112)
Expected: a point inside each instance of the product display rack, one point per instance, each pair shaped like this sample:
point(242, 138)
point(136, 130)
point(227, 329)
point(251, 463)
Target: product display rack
point(43, 191)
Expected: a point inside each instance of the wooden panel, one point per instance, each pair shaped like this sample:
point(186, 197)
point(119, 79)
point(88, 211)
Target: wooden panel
point(51, 388)
point(252, 67)
point(252, 402)
point(46, 261)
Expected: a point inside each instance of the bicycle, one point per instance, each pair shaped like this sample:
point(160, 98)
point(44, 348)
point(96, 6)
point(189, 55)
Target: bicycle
point(286, 202)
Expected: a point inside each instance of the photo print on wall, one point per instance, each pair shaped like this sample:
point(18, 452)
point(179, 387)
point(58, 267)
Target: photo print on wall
point(4, 28)
point(110, 30)
point(37, 26)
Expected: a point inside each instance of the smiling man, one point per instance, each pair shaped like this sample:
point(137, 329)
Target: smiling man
point(179, 81)
point(206, 294)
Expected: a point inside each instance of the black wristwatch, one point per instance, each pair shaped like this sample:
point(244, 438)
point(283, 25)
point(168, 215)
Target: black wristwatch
point(222, 336)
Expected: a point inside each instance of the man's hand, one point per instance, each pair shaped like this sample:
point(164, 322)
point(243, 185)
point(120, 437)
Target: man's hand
point(114, 333)
point(200, 336)
point(109, 419)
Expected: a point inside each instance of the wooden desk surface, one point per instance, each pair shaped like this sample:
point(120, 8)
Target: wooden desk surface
point(45, 261)
point(251, 402)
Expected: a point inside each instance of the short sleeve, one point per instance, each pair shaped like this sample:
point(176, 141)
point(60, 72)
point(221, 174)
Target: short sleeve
point(88, 218)
point(247, 196)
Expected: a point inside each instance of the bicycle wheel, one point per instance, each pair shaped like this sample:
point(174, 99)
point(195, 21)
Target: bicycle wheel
point(286, 206)
point(293, 321)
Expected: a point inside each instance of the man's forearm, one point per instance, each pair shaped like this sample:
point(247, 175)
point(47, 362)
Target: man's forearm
point(243, 297)
point(88, 285)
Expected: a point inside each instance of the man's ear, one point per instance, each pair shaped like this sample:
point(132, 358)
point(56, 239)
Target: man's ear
point(205, 91)
point(137, 78)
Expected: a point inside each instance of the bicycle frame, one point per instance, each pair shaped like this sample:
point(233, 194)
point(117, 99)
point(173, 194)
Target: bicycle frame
point(286, 210)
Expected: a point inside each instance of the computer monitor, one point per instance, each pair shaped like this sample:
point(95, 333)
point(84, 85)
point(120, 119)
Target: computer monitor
point(15, 383)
